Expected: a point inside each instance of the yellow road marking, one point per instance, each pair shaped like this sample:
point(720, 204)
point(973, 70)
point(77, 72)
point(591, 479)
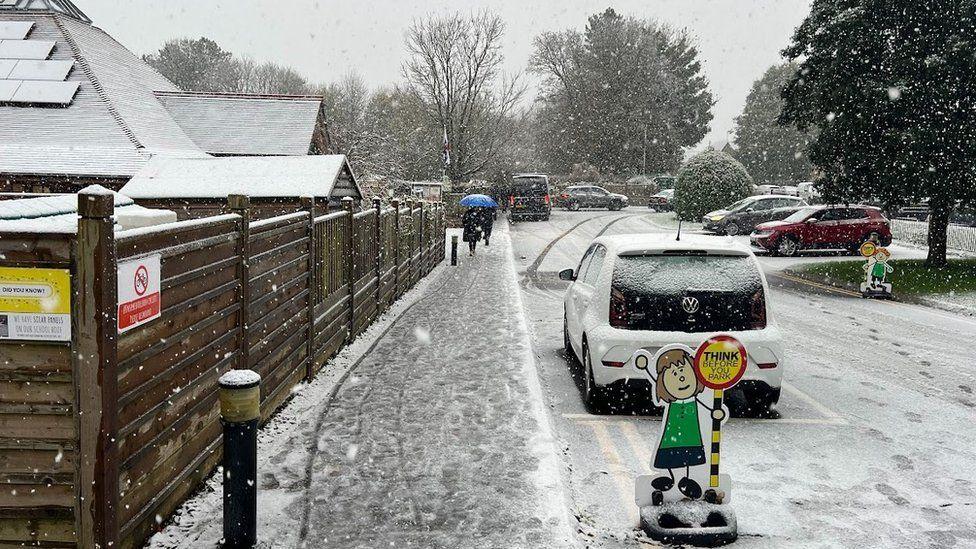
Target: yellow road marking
point(624, 481)
point(640, 447)
point(584, 418)
point(812, 284)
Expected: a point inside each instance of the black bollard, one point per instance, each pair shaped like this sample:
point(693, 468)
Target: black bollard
point(454, 241)
point(240, 410)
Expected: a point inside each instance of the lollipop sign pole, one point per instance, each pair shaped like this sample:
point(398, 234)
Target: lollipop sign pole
point(719, 363)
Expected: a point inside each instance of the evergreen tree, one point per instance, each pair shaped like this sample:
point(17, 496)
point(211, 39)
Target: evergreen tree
point(625, 95)
point(774, 154)
point(887, 85)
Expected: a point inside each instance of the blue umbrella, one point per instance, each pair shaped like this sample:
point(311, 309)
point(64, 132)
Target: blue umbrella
point(479, 201)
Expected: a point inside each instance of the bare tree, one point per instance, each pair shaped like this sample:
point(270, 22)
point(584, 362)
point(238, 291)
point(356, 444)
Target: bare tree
point(455, 72)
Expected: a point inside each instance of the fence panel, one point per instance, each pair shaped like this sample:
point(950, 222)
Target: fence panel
point(405, 243)
point(168, 415)
point(332, 303)
point(39, 444)
point(388, 257)
point(280, 295)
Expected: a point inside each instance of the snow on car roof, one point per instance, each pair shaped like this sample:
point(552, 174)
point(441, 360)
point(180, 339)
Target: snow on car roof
point(635, 244)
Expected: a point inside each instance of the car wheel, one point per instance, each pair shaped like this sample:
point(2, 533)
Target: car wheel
point(574, 206)
point(592, 393)
point(760, 402)
point(567, 344)
point(788, 246)
point(731, 229)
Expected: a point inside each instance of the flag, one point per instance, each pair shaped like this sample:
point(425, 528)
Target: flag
point(447, 149)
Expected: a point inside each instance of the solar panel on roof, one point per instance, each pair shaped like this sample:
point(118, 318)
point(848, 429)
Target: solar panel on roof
point(6, 65)
point(15, 30)
point(8, 88)
point(25, 49)
point(40, 70)
point(48, 93)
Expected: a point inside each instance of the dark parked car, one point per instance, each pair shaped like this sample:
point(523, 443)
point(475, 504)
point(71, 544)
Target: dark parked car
point(591, 196)
point(661, 201)
point(823, 227)
point(744, 215)
point(529, 198)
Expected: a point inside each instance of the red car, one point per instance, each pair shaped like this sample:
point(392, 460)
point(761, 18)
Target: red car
point(823, 227)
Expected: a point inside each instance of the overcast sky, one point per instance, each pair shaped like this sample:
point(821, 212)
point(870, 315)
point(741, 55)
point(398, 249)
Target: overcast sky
point(325, 39)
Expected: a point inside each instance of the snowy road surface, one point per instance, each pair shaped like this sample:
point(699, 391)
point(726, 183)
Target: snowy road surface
point(876, 441)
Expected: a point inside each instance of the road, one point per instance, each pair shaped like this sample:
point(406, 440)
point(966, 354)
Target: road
point(876, 439)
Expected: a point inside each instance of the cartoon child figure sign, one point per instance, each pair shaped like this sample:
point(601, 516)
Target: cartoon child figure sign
point(876, 270)
point(685, 384)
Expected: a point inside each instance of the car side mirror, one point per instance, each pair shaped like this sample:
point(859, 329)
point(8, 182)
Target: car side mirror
point(567, 274)
point(811, 220)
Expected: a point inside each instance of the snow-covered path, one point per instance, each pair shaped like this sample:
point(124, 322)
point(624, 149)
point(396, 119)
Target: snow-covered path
point(434, 442)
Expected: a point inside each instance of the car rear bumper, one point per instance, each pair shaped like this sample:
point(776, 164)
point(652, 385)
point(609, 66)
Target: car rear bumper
point(611, 345)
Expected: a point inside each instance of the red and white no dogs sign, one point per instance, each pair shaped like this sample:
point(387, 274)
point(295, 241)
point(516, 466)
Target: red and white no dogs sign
point(139, 293)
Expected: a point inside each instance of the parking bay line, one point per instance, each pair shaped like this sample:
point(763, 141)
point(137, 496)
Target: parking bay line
point(829, 416)
point(624, 482)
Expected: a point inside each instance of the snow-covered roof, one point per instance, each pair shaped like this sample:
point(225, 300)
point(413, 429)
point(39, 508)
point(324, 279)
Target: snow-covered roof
point(113, 124)
point(242, 124)
point(59, 213)
point(65, 7)
point(254, 176)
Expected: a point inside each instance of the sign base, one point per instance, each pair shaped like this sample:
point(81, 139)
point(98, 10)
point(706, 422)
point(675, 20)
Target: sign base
point(694, 523)
point(878, 291)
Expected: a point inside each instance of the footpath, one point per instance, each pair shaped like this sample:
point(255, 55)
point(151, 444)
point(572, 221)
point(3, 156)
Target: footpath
point(429, 431)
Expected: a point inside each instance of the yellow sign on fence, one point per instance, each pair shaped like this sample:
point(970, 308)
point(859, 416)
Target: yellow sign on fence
point(35, 304)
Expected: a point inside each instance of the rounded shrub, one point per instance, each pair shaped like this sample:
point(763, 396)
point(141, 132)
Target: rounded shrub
point(708, 181)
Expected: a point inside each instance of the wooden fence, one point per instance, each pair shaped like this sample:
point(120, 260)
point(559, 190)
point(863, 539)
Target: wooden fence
point(104, 436)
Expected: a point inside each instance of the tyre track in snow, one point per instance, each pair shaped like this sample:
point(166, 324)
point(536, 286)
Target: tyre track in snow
point(531, 275)
point(313, 443)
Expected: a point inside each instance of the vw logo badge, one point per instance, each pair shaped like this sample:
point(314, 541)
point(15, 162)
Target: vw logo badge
point(690, 305)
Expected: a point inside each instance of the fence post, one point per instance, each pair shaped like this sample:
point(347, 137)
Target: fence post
point(314, 286)
point(241, 205)
point(423, 240)
point(95, 370)
point(347, 258)
point(378, 206)
point(396, 249)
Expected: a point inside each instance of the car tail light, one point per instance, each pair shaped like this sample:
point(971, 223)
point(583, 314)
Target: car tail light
point(618, 309)
point(613, 364)
point(766, 365)
point(511, 200)
point(546, 199)
point(758, 313)
point(564, 195)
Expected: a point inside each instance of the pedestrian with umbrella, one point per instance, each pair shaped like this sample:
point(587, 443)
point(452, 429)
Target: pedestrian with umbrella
point(477, 220)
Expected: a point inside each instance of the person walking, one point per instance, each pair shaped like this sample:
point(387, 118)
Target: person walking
point(488, 222)
point(472, 221)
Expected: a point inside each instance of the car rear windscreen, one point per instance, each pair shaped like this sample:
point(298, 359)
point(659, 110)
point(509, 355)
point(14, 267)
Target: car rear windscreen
point(530, 186)
point(687, 293)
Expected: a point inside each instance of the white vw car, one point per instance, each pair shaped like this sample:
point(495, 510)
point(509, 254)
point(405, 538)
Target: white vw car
point(646, 291)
